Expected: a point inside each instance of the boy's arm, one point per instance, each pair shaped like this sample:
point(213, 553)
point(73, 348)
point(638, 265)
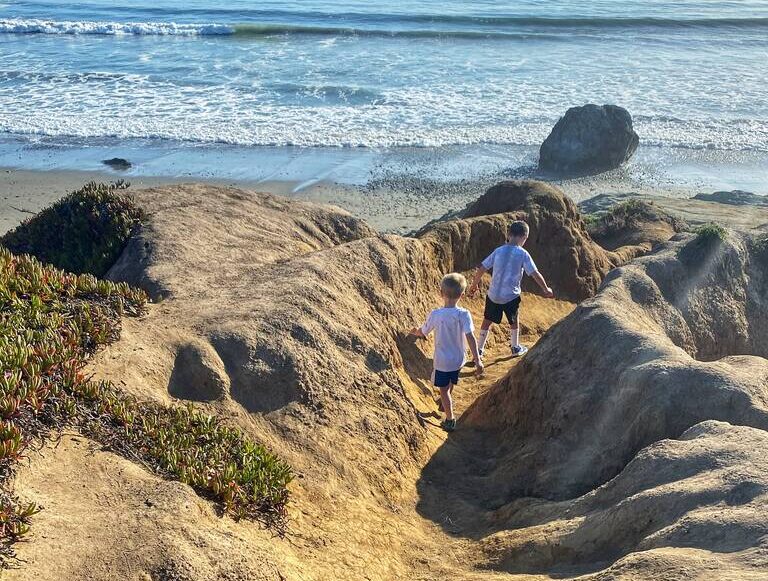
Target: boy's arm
point(530, 269)
point(479, 272)
point(424, 330)
point(472, 342)
point(543, 284)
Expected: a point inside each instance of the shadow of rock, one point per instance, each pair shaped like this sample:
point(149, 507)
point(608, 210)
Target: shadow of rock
point(198, 374)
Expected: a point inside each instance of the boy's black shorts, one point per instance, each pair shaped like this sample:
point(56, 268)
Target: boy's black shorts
point(445, 378)
point(494, 311)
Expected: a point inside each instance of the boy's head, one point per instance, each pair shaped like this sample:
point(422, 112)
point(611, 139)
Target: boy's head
point(517, 232)
point(453, 286)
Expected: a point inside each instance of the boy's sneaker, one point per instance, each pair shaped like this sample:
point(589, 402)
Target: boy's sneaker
point(519, 350)
point(448, 425)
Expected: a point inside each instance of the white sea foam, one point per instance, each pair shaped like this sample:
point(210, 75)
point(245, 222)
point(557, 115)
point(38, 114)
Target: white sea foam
point(37, 26)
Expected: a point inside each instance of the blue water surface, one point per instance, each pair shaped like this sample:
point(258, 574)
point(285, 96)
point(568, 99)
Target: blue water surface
point(379, 74)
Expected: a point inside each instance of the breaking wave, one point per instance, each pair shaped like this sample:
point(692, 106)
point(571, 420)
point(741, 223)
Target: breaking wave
point(468, 27)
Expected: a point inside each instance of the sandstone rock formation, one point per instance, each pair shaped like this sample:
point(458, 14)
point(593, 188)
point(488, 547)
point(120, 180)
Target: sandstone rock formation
point(556, 225)
point(289, 320)
point(692, 211)
point(638, 422)
point(588, 140)
point(634, 222)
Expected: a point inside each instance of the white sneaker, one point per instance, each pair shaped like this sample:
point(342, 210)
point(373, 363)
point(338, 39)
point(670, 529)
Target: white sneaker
point(519, 351)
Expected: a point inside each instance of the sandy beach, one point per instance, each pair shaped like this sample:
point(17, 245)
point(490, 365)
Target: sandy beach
point(398, 203)
point(394, 190)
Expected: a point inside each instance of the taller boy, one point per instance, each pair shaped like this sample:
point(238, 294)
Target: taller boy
point(508, 262)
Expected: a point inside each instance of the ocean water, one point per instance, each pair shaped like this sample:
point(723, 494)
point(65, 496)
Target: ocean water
point(356, 73)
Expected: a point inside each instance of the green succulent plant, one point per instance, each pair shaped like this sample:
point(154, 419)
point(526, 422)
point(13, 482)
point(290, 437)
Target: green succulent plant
point(84, 232)
point(711, 232)
point(51, 322)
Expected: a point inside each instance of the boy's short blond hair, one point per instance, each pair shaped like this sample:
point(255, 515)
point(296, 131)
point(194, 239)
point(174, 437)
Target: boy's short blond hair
point(453, 285)
point(518, 229)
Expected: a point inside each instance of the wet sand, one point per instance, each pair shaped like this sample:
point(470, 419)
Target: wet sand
point(398, 203)
point(396, 190)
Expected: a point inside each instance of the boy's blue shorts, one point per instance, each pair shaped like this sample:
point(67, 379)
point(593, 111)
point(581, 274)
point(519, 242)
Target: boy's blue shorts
point(443, 378)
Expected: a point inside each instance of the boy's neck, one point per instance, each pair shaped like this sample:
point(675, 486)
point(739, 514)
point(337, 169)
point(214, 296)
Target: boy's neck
point(450, 303)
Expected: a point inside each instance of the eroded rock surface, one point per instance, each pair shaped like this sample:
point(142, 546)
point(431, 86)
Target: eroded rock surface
point(596, 455)
point(637, 422)
point(559, 243)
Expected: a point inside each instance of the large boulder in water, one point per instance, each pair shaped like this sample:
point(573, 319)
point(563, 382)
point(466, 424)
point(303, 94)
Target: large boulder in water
point(589, 140)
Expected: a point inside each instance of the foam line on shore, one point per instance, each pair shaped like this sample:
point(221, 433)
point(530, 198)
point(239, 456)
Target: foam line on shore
point(38, 26)
point(467, 28)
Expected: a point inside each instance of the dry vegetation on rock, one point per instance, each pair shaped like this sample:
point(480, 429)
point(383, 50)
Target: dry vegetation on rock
point(633, 221)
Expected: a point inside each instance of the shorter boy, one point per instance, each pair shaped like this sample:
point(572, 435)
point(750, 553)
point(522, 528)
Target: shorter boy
point(508, 263)
point(453, 331)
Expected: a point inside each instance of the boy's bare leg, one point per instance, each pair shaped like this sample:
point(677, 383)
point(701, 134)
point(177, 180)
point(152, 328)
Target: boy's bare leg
point(514, 340)
point(447, 399)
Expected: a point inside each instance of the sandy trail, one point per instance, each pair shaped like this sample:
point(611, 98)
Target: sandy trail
point(536, 317)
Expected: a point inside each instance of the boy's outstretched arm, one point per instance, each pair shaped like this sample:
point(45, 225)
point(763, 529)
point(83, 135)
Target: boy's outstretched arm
point(425, 329)
point(472, 342)
point(543, 284)
point(479, 272)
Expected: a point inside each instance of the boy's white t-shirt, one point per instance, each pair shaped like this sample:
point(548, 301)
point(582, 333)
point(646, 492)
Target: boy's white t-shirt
point(451, 324)
point(508, 263)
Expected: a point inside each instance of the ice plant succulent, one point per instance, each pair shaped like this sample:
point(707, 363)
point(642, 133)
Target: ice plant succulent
point(83, 232)
point(50, 323)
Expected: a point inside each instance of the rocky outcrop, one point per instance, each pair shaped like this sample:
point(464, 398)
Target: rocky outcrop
point(635, 421)
point(588, 140)
point(691, 211)
point(556, 225)
point(734, 198)
point(289, 319)
point(216, 232)
point(667, 342)
point(634, 222)
point(690, 504)
point(118, 163)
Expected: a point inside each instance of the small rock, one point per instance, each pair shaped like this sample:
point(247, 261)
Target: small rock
point(118, 163)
